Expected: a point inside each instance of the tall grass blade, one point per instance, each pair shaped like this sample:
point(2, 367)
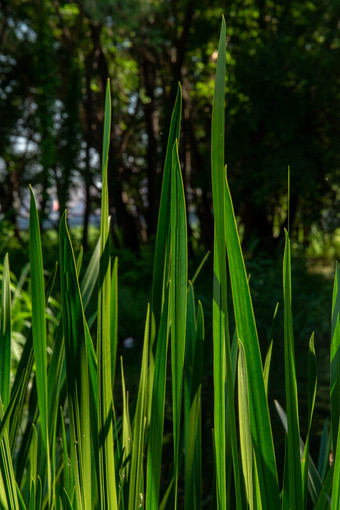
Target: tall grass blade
point(293, 435)
point(335, 358)
point(107, 479)
point(127, 434)
point(268, 358)
point(154, 464)
point(315, 484)
point(178, 301)
point(197, 407)
point(247, 333)
point(324, 501)
point(114, 319)
point(8, 487)
point(192, 402)
point(5, 335)
point(160, 271)
point(90, 278)
point(336, 477)
point(23, 375)
point(312, 385)
point(246, 443)
point(39, 330)
point(77, 373)
point(324, 449)
point(67, 471)
point(136, 492)
point(221, 337)
point(220, 313)
point(161, 262)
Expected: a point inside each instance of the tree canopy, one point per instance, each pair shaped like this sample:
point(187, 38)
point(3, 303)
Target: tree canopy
point(282, 108)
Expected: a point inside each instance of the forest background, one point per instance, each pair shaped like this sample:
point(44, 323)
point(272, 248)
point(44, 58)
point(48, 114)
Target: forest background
point(282, 108)
point(282, 104)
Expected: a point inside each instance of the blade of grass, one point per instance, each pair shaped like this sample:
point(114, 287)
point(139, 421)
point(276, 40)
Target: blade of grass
point(161, 261)
point(221, 336)
point(8, 487)
point(324, 500)
point(136, 492)
point(5, 335)
point(193, 447)
point(324, 450)
point(220, 312)
point(127, 435)
point(247, 332)
point(312, 385)
point(336, 477)
point(160, 271)
point(90, 278)
point(246, 443)
point(315, 485)
point(114, 319)
point(190, 424)
point(154, 464)
point(178, 301)
point(268, 359)
point(77, 373)
point(293, 435)
point(197, 409)
point(39, 330)
point(335, 358)
point(107, 478)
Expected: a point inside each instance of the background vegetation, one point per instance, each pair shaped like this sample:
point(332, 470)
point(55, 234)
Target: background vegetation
point(282, 109)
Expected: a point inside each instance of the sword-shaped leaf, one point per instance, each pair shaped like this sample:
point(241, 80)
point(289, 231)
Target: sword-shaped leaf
point(178, 301)
point(5, 335)
point(107, 480)
point(247, 333)
point(293, 435)
point(77, 372)
point(39, 329)
point(224, 410)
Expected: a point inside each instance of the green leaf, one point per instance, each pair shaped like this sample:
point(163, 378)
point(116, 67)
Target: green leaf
point(192, 402)
point(178, 301)
point(335, 358)
point(268, 359)
point(5, 335)
point(90, 278)
point(312, 385)
point(324, 450)
point(127, 434)
point(246, 443)
point(293, 435)
point(39, 329)
point(162, 248)
point(136, 493)
point(154, 464)
point(315, 485)
point(336, 477)
point(223, 405)
point(8, 488)
point(114, 319)
point(77, 372)
point(107, 480)
point(160, 270)
point(247, 333)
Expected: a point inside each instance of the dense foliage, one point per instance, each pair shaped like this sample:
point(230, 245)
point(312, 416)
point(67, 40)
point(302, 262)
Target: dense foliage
point(282, 108)
point(64, 442)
